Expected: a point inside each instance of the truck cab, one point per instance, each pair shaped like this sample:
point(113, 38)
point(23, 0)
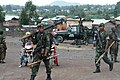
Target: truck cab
point(73, 32)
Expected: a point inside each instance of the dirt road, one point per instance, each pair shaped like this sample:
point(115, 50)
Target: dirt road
point(75, 64)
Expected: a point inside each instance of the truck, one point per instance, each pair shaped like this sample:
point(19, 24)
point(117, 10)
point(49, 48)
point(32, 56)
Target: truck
point(75, 32)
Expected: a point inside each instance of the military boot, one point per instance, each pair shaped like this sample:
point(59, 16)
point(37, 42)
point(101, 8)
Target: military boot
point(112, 59)
point(2, 61)
point(111, 66)
point(97, 70)
point(32, 77)
point(48, 77)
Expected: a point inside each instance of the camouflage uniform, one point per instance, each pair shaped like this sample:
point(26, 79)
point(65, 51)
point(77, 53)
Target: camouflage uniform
point(3, 48)
point(114, 48)
point(85, 35)
point(43, 43)
point(101, 43)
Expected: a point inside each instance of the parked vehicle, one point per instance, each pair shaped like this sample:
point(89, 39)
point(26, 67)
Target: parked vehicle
point(74, 32)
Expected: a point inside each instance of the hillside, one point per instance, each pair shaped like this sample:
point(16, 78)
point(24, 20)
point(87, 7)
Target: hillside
point(63, 3)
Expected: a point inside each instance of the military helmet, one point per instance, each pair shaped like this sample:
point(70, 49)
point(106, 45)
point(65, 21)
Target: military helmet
point(101, 25)
point(42, 24)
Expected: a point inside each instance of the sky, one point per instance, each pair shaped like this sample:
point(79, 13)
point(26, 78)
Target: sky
point(47, 2)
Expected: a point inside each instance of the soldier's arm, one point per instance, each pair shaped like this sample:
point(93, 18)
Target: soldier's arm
point(4, 42)
point(107, 42)
point(47, 45)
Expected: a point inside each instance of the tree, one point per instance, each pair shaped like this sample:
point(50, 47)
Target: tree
point(2, 15)
point(29, 14)
point(77, 11)
point(24, 19)
point(107, 17)
point(8, 8)
point(117, 10)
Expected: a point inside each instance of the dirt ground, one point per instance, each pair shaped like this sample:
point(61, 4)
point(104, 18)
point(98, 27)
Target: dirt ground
point(75, 64)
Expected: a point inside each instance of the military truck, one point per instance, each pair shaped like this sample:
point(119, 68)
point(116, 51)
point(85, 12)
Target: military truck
point(74, 32)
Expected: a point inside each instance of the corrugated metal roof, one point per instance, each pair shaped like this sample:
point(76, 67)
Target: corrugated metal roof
point(117, 18)
point(98, 21)
point(28, 26)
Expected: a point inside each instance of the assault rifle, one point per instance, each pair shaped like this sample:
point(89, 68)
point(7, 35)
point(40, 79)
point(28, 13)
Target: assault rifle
point(104, 53)
point(33, 63)
point(51, 26)
point(47, 27)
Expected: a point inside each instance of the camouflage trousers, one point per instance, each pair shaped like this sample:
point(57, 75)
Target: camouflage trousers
point(2, 54)
point(35, 67)
point(114, 52)
point(105, 58)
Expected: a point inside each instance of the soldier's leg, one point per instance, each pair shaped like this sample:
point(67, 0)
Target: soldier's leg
point(107, 60)
point(116, 53)
point(35, 67)
point(115, 57)
point(111, 55)
point(48, 69)
point(98, 64)
point(4, 55)
point(0, 56)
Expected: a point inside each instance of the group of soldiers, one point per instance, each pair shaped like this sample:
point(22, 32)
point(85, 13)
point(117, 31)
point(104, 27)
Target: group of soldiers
point(104, 43)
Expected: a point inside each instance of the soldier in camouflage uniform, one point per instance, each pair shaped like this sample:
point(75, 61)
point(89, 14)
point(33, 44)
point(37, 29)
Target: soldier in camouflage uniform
point(3, 47)
point(114, 48)
point(101, 47)
point(85, 35)
point(41, 52)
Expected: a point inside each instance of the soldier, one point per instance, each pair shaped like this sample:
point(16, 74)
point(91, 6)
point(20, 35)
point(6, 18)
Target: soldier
point(42, 41)
point(114, 48)
point(101, 47)
point(3, 47)
point(85, 35)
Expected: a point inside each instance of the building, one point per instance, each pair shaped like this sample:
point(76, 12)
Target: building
point(87, 23)
point(96, 22)
point(13, 22)
point(112, 23)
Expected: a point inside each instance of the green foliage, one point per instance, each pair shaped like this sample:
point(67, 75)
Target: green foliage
point(8, 8)
point(24, 19)
point(117, 10)
point(29, 14)
point(85, 11)
point(2, 15)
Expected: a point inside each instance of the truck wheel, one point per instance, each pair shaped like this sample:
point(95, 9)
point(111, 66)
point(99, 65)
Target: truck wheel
point(60, 39)
point(90, 40)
